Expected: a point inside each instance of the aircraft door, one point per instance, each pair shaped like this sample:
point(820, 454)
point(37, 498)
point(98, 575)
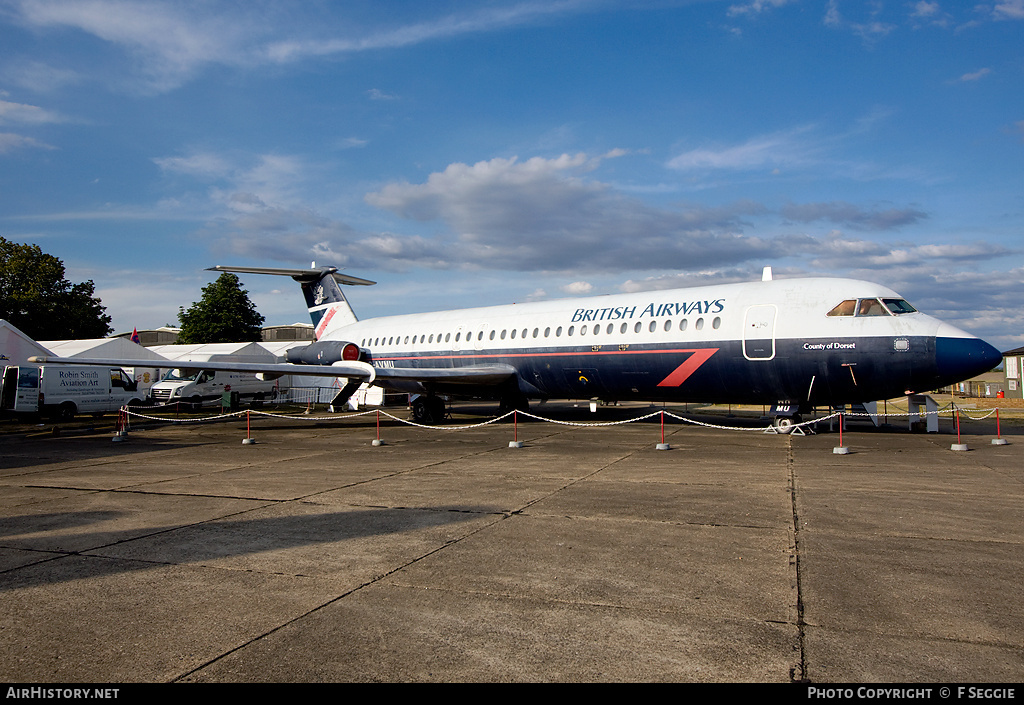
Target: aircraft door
point(759, 332)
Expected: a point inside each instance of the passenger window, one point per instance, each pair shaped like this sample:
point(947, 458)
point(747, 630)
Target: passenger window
point(513, 334)
point(716, 324)
point(447, 337)
point(624, 327)
point(571, 329)
point(653, 326)
point(583, 330)
point(699, 325)
point(668, 324)
point(637, 327)
point(547, 331)
point(682, 324)
point(871, 307)
point(846, 308)
point(558, 332)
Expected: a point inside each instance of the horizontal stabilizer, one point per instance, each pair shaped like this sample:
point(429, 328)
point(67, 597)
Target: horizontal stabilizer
point(299, 275)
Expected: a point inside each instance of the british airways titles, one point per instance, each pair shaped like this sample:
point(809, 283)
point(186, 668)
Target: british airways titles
point(653, 310)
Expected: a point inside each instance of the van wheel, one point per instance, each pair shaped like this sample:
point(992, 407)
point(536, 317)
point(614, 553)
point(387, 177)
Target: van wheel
point(67, 411)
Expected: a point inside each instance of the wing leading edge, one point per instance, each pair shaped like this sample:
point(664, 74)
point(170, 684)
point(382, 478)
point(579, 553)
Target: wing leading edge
point(338, 369)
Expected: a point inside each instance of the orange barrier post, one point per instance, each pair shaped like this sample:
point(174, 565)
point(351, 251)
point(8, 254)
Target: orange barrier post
point(663, 445)
point(515, 443)
point(958, 445)
point(841, 449)
point(248, 440)
point(998, 440)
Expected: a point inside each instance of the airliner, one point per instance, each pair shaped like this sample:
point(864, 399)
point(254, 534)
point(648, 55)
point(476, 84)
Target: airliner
point(790, 343)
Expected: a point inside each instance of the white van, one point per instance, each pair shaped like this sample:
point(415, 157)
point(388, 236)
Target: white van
point(62, 391)
point(196, 386)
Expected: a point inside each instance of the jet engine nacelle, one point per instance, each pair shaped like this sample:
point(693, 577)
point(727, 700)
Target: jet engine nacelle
point(324, 353)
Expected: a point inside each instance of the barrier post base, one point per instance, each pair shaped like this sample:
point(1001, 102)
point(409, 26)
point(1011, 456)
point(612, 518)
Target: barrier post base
point(959, 446)
point(663, 446)
point(999, 441)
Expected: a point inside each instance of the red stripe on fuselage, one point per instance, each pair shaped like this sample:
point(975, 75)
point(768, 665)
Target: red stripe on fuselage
point(683, 372)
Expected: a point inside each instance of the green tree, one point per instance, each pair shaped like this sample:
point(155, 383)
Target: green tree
point(37, 298)
point(223, 315)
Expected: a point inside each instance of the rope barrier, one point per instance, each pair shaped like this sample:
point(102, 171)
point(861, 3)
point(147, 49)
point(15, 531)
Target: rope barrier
point(127, 413)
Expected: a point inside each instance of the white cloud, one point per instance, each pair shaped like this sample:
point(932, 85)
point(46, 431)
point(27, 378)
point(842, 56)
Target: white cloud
point(976, 75)
point(765, 152)
point(171, 41)
point(544, 214)
point(578, 288)
point(10, 142)
point(869, 29)
point(1009, 10)
point(852, 215)
point(472, 22)
point(27, 114)
point(202, 164)
point(755, 7)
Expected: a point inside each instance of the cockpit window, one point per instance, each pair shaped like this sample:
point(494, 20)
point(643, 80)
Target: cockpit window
point(898, 306)
point(846, 308)
point(871, 307)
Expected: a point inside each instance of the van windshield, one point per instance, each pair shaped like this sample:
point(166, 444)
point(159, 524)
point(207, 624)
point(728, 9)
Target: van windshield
point(183, 374)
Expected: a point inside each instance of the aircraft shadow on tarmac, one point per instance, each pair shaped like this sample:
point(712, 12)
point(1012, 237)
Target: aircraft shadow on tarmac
point(120, 551)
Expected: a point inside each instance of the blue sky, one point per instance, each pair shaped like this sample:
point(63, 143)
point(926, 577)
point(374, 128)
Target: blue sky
point(470, 153)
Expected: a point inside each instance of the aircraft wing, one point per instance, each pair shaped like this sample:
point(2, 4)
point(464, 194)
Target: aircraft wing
point(271, 369)
point(486, 375)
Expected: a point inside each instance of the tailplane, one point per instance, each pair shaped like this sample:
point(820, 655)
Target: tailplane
point(328, 307)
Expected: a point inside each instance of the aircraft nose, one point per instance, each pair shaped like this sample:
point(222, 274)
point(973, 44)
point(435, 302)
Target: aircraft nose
point(962, 358)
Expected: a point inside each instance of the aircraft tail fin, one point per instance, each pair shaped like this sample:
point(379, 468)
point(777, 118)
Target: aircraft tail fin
point(328, 307)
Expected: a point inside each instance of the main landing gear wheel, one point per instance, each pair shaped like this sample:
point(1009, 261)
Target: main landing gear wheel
point(428, 411)
point(785, 424)
point(518, 402)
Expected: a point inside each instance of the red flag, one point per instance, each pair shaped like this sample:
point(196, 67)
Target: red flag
point(135, 336)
